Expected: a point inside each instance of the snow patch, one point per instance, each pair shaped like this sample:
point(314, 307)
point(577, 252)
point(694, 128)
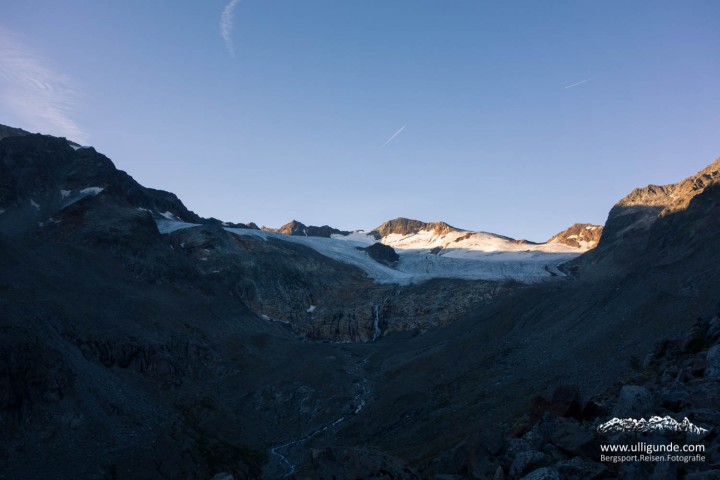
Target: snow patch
point(34, 204)
point(311, 309)
point(91, 191)
point(359, 237)
point(169, 226)
point(64, 193)
point(77, 147)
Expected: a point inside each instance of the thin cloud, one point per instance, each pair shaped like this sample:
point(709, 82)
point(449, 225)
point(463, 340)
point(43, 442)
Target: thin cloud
point(38, 97)
point(227, 20)
point(394, 135)
point(580, 82)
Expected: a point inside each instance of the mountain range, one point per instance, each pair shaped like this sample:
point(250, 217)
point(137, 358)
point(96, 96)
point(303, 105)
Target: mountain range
point(140, 340)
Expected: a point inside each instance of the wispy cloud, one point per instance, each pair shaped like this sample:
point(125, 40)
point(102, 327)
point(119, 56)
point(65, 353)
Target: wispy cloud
point(35, 95)
point(580, 82)
point(394, 135)
point(226, 25)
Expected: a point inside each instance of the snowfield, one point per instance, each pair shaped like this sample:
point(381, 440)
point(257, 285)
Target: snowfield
point(425, 255)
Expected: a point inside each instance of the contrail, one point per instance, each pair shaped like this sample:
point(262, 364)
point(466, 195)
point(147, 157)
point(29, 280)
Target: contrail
point(40, 98)
point(580, 82)
point(226, 25)
point(395, 135)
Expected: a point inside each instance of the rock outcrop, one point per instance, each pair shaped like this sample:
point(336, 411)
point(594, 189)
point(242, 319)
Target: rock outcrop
point(651, 218)
point(299, 229)
point(406, 226)
point(382, 253)
point(579, 235)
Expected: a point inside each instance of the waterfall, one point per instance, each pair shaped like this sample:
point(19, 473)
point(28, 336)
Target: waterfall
point(376, 322)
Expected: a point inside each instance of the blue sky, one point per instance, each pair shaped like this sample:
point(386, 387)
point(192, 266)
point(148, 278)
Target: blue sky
point(283, 114)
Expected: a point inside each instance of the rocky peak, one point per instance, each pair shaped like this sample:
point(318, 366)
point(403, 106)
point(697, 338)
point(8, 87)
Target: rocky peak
point(6, 131)
point(639, 210)
point(299, 229)
point(579, 235)
point(42, 175)
point(407, 226)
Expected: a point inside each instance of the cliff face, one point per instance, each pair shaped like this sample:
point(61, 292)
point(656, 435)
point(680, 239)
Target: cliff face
point(643, 218)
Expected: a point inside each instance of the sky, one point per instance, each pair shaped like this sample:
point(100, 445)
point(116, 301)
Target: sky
point(516, 117)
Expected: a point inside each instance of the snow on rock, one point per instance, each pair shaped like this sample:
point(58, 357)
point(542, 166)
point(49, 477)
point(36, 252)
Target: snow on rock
point(91, 191)
point(70, 198)
point(168, 215)
point(455, 242)
point(34, 204)
point(169, 226)
point(359, 236)
point(76, 147)
point(311, 309)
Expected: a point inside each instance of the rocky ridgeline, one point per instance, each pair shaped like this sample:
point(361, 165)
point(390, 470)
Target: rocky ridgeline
point(641, 208)
point(299, 229)
point(677, 388)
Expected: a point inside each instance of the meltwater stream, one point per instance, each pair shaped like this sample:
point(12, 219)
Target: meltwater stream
point(376, 322)
point(281, 466)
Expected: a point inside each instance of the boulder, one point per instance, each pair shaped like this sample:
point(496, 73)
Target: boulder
point(664, 470)
point(712, 371)
point(578, 468)
point(695, 338)
point(571, 437)
point(526, 462)
point(675, 399)
point(634, 401)
point(566, 402)
point(545, 473)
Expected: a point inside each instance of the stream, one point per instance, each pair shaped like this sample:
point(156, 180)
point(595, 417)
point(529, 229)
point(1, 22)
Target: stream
point(280, 464)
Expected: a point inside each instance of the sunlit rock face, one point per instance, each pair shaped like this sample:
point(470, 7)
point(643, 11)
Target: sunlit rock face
point(651, 218)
